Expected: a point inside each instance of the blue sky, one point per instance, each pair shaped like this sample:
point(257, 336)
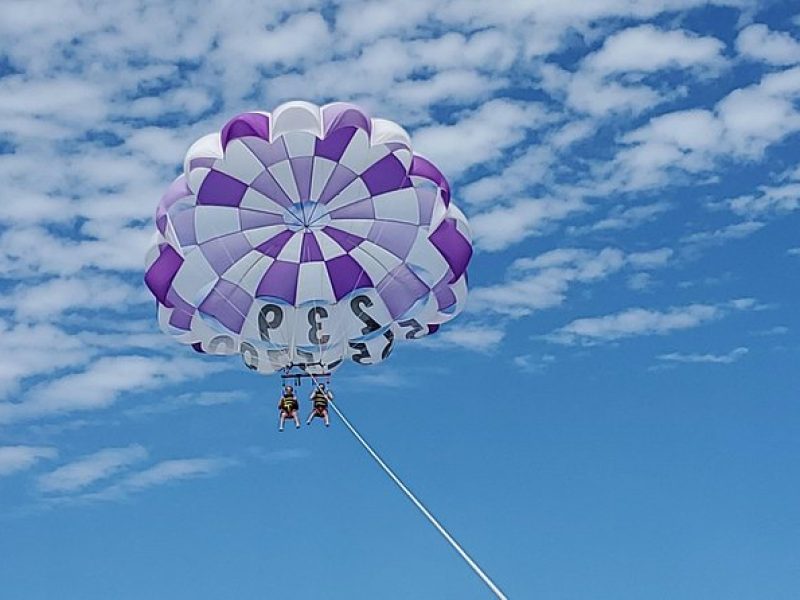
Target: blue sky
point(615, 413)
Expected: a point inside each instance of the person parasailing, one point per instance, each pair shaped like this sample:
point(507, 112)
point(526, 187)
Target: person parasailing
point(288, 407)
point(320, 398)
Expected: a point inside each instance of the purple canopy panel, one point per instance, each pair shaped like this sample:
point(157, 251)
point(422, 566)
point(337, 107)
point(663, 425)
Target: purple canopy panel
point(400, 289)
point(339, 179)
point(178, 189)
point(183, 224)
point(385, 175)
point(268, 153)
point(266, 185)
point(363, 209)
point(334, 144)
point(280, 281)
point(444, 296)
point(454, 247)
point(220, 189)
point(273, 246)
point(245, 125)
point(161, 273)
point(398, 238)
point(217, 257)
point(310, 251)
point(347, 241)
point(201, 163)
point(228, 304)
point(222, 252)
point(253, 219)
point(341, 115)
point(422, 167)
point(427, 200)
point(301, 169)
point(346, 275)
point(183, 312)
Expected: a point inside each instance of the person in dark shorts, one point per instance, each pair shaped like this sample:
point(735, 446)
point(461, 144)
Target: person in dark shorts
point(288, 407)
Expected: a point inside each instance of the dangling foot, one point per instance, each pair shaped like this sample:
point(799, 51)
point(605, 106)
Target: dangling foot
point(280, 428)
point(297, 426)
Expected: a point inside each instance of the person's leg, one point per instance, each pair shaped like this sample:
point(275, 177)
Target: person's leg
point(296, 419)
point(325, 418)
point(310, 416)
point(283, 418)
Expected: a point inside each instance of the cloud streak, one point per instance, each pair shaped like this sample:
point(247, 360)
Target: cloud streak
point(635, 322)
point(14, 459)
point(695, 358)
point(90, 469)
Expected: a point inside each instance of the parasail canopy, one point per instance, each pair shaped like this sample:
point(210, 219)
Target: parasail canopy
point(307, 236)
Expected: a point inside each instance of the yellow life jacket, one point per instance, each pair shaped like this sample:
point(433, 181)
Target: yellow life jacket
point(288, 402)
point(320, 398)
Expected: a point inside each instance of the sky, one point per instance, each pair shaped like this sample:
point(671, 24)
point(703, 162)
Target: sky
point(613, 416)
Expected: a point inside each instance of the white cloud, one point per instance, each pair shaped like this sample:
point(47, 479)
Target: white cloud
point(204, 398)
point(622, 217)
point(100, 384)
point(740, 127)
point(35, 350)
point(477, 338)
point(87, 470)
point(543, 281)
point(162, 473)
point(20, 458)
point(715, 237)
point(48, 300)
point(640, 281)
point(633, 52)
point(683, 140)
point(501, 227)
point(384, 18)
point(277, 456)
point(453, 86)
point(592, 94)
point(720, 359)
point(301, 37)
point(385, 378)
point(646, 48)
point(769, 200)
point(530, 168)
point(650, 259)
point(777, 330)
point(634, 322)
point(763, 114)
point(33, 251)
point(49, 108)
point(530, 363)
point(479, 136)
point(758, 42)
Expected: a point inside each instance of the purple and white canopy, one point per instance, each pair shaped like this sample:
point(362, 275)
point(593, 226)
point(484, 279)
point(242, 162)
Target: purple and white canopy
point(308, 235)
